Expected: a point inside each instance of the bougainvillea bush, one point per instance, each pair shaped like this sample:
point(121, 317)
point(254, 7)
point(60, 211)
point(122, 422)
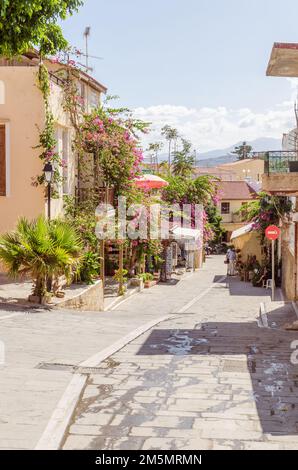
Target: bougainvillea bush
point(202, 190)
point(110, 135)
point(264, 211)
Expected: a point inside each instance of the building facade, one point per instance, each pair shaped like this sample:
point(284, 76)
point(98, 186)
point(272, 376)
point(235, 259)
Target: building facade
point(22, 118)
point(281, 174)
point(233, 194)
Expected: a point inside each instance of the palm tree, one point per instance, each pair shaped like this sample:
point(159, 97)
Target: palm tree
point(154, 149)
point(170, 134)
point(184, 160)
point(42, 249)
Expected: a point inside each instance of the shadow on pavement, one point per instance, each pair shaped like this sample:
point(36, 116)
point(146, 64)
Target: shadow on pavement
point(274, 380)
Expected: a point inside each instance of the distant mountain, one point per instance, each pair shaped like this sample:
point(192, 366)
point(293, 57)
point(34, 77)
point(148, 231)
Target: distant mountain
point(221, 156)
point(215, 161)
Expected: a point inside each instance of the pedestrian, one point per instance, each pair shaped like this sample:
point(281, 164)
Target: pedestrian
point(231, 262)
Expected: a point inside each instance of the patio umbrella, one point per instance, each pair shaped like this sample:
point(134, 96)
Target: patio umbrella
point(150, 182)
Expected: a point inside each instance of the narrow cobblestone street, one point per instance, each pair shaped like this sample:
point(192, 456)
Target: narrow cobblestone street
point(208, 378)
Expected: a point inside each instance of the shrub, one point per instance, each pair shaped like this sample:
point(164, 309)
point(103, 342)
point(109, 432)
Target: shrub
point(41, 248)
point(89, 267)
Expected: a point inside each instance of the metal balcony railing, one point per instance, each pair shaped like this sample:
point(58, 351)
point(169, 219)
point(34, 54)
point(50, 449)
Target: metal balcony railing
point(278, 161)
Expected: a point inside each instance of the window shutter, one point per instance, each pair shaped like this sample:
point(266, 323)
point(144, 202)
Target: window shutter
point(2, 161)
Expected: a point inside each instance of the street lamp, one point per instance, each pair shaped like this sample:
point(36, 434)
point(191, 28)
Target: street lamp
point(48, 173)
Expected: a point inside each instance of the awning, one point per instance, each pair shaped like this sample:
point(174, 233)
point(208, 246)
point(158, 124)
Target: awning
point(186, 233)
point(284, 60)
point(242, 231)
point(148, 181)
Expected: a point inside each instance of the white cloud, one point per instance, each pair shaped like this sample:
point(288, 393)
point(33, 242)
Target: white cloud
point(212, 128)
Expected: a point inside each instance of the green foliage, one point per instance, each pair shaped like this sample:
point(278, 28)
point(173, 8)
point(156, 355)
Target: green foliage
point(121, 277)
point(47, 140)
point(171, 135)
point(186, 190)
point(44, 81)
point(25, 24)
point(264, 211)
point(110, 135)
point(42, 249)
point(81, 216)
point(215, 222)
point(242, 150)
point(153, 149)
point(183, 160)
point(89, 267)
point(146, 277)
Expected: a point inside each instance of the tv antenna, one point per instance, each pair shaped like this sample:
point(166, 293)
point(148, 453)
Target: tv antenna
point(86, 54)
point(86, 36)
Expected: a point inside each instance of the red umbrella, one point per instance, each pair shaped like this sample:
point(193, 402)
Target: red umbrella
point(150, 182)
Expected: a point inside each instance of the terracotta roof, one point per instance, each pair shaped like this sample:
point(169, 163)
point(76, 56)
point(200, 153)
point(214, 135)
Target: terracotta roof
point(238, 162)
point(223, 174)
point(238, 190)
point(32, 58)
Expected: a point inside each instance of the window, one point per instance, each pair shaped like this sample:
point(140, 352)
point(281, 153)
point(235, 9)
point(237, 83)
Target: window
point(94, 100)
point(2, 160)
point(2, 92)
point(225, 207)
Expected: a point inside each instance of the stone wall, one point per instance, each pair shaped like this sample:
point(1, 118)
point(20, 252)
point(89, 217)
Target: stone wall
point(91, 299)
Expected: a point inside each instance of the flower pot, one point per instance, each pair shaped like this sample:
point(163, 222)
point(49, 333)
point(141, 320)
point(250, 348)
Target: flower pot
point(135, 282)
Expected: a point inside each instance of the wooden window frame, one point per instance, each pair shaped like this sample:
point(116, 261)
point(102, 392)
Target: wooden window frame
point(6, 124)
point(3, 162)
point(223, 212)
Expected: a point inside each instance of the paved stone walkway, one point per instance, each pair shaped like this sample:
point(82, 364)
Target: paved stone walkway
point(209, 378)
point(29, 392)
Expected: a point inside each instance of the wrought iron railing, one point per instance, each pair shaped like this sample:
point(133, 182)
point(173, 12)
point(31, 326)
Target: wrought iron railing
point(278, 161)
point(58, 80)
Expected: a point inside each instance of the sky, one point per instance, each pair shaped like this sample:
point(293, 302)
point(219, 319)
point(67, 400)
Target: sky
point(199, 65)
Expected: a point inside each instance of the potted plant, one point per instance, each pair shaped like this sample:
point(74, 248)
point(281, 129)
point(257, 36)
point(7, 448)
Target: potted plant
point(121, 277)
point(148, 279)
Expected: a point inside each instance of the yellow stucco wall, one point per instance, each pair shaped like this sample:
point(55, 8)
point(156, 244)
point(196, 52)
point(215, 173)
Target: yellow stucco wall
point(24, 114)
point(249, 244)
point(21, 112)
point(235, 205)
point(253, 169)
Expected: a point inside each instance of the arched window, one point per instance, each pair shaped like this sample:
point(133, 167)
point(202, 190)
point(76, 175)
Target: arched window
point(2, 92)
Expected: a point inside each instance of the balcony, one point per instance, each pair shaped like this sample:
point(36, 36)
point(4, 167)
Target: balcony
point(281, 172)
point(231, 218)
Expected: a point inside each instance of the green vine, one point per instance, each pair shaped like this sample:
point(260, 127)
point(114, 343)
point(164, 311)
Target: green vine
point(47, 140)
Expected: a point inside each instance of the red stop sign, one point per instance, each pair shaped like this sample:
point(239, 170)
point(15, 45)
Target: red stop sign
point(272, 232)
